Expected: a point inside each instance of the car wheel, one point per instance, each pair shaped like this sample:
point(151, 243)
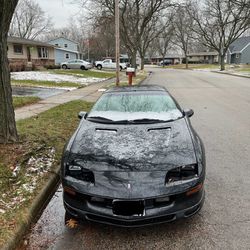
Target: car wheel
point(83, 68)
point(120, 68)
point(99, 66)
point(64, 66)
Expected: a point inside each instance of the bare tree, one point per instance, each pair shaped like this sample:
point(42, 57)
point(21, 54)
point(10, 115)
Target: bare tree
point(29, 20)
point(164, 40)
point(220, 22)
point(183, 30)
point(139, 23)
point(8, 131)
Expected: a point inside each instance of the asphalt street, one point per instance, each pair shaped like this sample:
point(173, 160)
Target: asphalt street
point(222, 118)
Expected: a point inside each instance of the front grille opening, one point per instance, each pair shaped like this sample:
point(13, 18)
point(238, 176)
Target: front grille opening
point(128, 208)
point(192, 211)
point(148, 221)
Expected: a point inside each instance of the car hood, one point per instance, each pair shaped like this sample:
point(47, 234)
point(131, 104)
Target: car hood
point(132, 148)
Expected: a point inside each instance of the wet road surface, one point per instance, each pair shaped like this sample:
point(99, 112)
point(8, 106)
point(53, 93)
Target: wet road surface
point(42, 93)
point(221, 104)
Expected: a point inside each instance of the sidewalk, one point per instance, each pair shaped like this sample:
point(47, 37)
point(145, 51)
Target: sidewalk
point(89, 93)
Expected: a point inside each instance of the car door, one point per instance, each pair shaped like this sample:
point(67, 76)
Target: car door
point(106, 64)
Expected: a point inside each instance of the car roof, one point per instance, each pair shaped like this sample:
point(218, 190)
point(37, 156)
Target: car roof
point(136, 88)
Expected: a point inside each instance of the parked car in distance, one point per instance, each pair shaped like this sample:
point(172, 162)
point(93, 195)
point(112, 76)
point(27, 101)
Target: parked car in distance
point(109, 64)
point(134, 160)
point(166, 62)
point(76, 64)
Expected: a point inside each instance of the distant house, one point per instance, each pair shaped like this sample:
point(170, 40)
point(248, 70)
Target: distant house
point(209, 57)
point(65, 49)
point(27, 54)
point(172, 58)
point(239, 51)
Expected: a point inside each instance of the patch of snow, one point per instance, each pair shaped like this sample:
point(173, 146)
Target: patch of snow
point(57, 78)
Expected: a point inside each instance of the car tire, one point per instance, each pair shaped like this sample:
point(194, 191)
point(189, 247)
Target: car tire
point(121, 68)
point(99, 66)
point(82, 68)
point(64, 66)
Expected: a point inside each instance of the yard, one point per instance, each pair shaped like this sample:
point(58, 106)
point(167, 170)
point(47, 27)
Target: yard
point(67, 79)
point(25, 166)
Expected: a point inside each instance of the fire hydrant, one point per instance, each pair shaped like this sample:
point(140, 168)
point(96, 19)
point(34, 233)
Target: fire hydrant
point(130, 73)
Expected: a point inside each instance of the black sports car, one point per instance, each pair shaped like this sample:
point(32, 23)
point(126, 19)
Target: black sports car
point(134, 160)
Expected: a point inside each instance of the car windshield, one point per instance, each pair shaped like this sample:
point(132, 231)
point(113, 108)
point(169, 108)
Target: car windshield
point(135, 106)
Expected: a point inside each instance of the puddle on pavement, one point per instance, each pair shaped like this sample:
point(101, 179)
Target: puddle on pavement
point(42, 93)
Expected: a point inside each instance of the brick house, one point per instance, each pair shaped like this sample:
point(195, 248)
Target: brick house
point(28, 54)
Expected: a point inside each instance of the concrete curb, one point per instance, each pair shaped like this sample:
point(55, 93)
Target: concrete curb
point(231, 74)
point(37, 206)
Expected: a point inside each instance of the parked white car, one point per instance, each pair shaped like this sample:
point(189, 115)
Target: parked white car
point(109, 64)
point(76, 64)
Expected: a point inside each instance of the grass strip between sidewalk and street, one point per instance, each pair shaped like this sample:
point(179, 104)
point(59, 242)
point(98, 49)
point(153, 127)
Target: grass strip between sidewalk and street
point(85, 73)
point(26, 166)
point(20, 101)
point(51, 84)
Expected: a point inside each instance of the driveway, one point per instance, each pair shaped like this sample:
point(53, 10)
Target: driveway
point(222, 118)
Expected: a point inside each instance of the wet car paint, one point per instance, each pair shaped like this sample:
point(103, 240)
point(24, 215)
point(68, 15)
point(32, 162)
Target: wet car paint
point(131, 161)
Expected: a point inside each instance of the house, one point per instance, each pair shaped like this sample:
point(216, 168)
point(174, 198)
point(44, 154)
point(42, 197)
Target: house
point(172, 58)
point(27, 54)
point(208, 57)
point(65, 49)
point(239, 51)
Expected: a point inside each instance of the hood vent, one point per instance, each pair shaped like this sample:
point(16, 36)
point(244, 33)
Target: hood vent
point(106, 130)
point(157, 129)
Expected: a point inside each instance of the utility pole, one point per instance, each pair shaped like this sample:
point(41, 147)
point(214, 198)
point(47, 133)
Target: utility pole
point(117, 35)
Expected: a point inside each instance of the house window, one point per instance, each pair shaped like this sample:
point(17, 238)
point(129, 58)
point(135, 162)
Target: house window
point(18, 48)
point(65, 45)
point(43, 52)
point(67, 56)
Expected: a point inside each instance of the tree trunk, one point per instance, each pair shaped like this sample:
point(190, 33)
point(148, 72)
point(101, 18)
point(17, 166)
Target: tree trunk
point(142, 62)
point(8, 131)
point(222, 62)
point(186, 58)
point(134, 60)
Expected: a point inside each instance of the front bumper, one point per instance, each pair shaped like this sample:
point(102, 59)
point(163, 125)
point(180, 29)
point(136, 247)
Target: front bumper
point(179, 206)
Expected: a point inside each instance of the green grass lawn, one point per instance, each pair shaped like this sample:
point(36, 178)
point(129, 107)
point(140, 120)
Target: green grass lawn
point(41, 138)
point(33, 83)
point(20, 101)
point(84, 73)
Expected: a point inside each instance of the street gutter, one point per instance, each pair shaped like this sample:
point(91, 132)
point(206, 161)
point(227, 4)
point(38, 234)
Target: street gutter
point(36, 208)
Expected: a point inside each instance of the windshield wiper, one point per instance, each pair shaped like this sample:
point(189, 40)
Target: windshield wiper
point(99, 119)
point(147, 120)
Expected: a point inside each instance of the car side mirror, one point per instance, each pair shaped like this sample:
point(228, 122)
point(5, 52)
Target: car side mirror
point(188, 112)
point(82, 114)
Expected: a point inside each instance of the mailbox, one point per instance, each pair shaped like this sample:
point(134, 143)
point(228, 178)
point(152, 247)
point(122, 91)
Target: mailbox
point(130, 71)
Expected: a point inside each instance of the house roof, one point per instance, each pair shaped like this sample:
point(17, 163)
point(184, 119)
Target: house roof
point(63, 38)
point(67, 50)
point(19, 40)
point(239, 45)
point(204, 53)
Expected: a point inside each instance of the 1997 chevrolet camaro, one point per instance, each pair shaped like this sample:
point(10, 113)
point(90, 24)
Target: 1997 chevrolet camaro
point(134, 160)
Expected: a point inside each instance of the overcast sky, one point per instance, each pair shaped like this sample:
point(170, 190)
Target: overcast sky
point(59, 10)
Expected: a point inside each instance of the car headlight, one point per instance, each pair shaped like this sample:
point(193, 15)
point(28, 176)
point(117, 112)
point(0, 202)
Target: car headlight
point(80, 173)
point(182, 173)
